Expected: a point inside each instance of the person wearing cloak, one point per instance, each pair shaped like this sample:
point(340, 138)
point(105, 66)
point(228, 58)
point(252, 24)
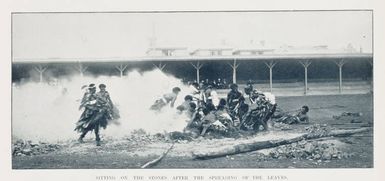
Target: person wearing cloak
point(96, 113)
point(105, 102)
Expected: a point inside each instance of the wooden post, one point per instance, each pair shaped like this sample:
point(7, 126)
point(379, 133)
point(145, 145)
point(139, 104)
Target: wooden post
point(40, 69)
point(121, 69)
point(270, 64)
point(305, 64)
point(340, 64)
point(160, 66)
point(81, 69)
point(197, 67)
point(371, 78)
point(234, 66)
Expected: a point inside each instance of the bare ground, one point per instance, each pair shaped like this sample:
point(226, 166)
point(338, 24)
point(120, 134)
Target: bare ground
point(125, 153)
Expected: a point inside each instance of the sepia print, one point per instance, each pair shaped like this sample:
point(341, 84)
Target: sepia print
point(213, 89)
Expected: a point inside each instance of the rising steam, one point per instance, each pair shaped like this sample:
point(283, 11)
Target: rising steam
point(46, 112)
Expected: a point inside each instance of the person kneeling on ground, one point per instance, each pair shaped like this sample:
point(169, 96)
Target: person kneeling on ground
point(194, 125)
point(186, 104)
point(166, 99)
point(222, 114)
point(208, 118)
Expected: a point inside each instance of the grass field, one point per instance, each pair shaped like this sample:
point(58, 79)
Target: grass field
point(123, 153)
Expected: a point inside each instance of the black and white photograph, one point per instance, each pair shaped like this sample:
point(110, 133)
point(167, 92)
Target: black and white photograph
point(254, 89)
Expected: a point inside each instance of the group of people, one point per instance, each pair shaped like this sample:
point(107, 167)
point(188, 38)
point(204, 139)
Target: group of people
point(205, 110)
point(220, 83)
point(217, 84)
point(98, 111)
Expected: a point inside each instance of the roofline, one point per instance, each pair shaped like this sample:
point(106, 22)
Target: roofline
point(202, 58)
point(215, 49)
point(255, 48)
point(168, 48)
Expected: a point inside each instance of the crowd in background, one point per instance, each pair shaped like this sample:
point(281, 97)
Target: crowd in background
point(219, 83)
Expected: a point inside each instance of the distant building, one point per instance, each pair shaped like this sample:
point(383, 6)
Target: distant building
point(167, 51)
point(211, 52)
point(253, 51)
point(318, 49)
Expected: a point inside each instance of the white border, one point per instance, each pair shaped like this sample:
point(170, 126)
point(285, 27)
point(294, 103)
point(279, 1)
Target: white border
point(8, 6)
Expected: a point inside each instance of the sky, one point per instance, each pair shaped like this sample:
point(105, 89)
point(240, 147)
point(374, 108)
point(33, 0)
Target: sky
point(121, 35)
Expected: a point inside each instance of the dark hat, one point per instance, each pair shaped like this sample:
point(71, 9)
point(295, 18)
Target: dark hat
point(176, 89)
point(102, 86)
point(91, 86)
point(188, 97)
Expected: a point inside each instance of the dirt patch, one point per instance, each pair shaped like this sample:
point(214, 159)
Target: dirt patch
point(135, 150)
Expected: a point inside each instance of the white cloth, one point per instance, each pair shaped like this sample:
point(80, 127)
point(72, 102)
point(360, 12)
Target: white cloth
point(270, 97)
point(214, 97)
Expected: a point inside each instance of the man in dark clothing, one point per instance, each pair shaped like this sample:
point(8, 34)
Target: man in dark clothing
point(219, 84)
point(249, 88)
point(233, 96)
point(260, 111)
point(234, 100)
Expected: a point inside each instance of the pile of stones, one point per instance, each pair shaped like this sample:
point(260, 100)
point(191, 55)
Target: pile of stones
point(30, 148)
point(308, 150)
point(140, 137)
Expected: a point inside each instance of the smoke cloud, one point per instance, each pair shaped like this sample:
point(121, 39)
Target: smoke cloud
point(45, 112)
